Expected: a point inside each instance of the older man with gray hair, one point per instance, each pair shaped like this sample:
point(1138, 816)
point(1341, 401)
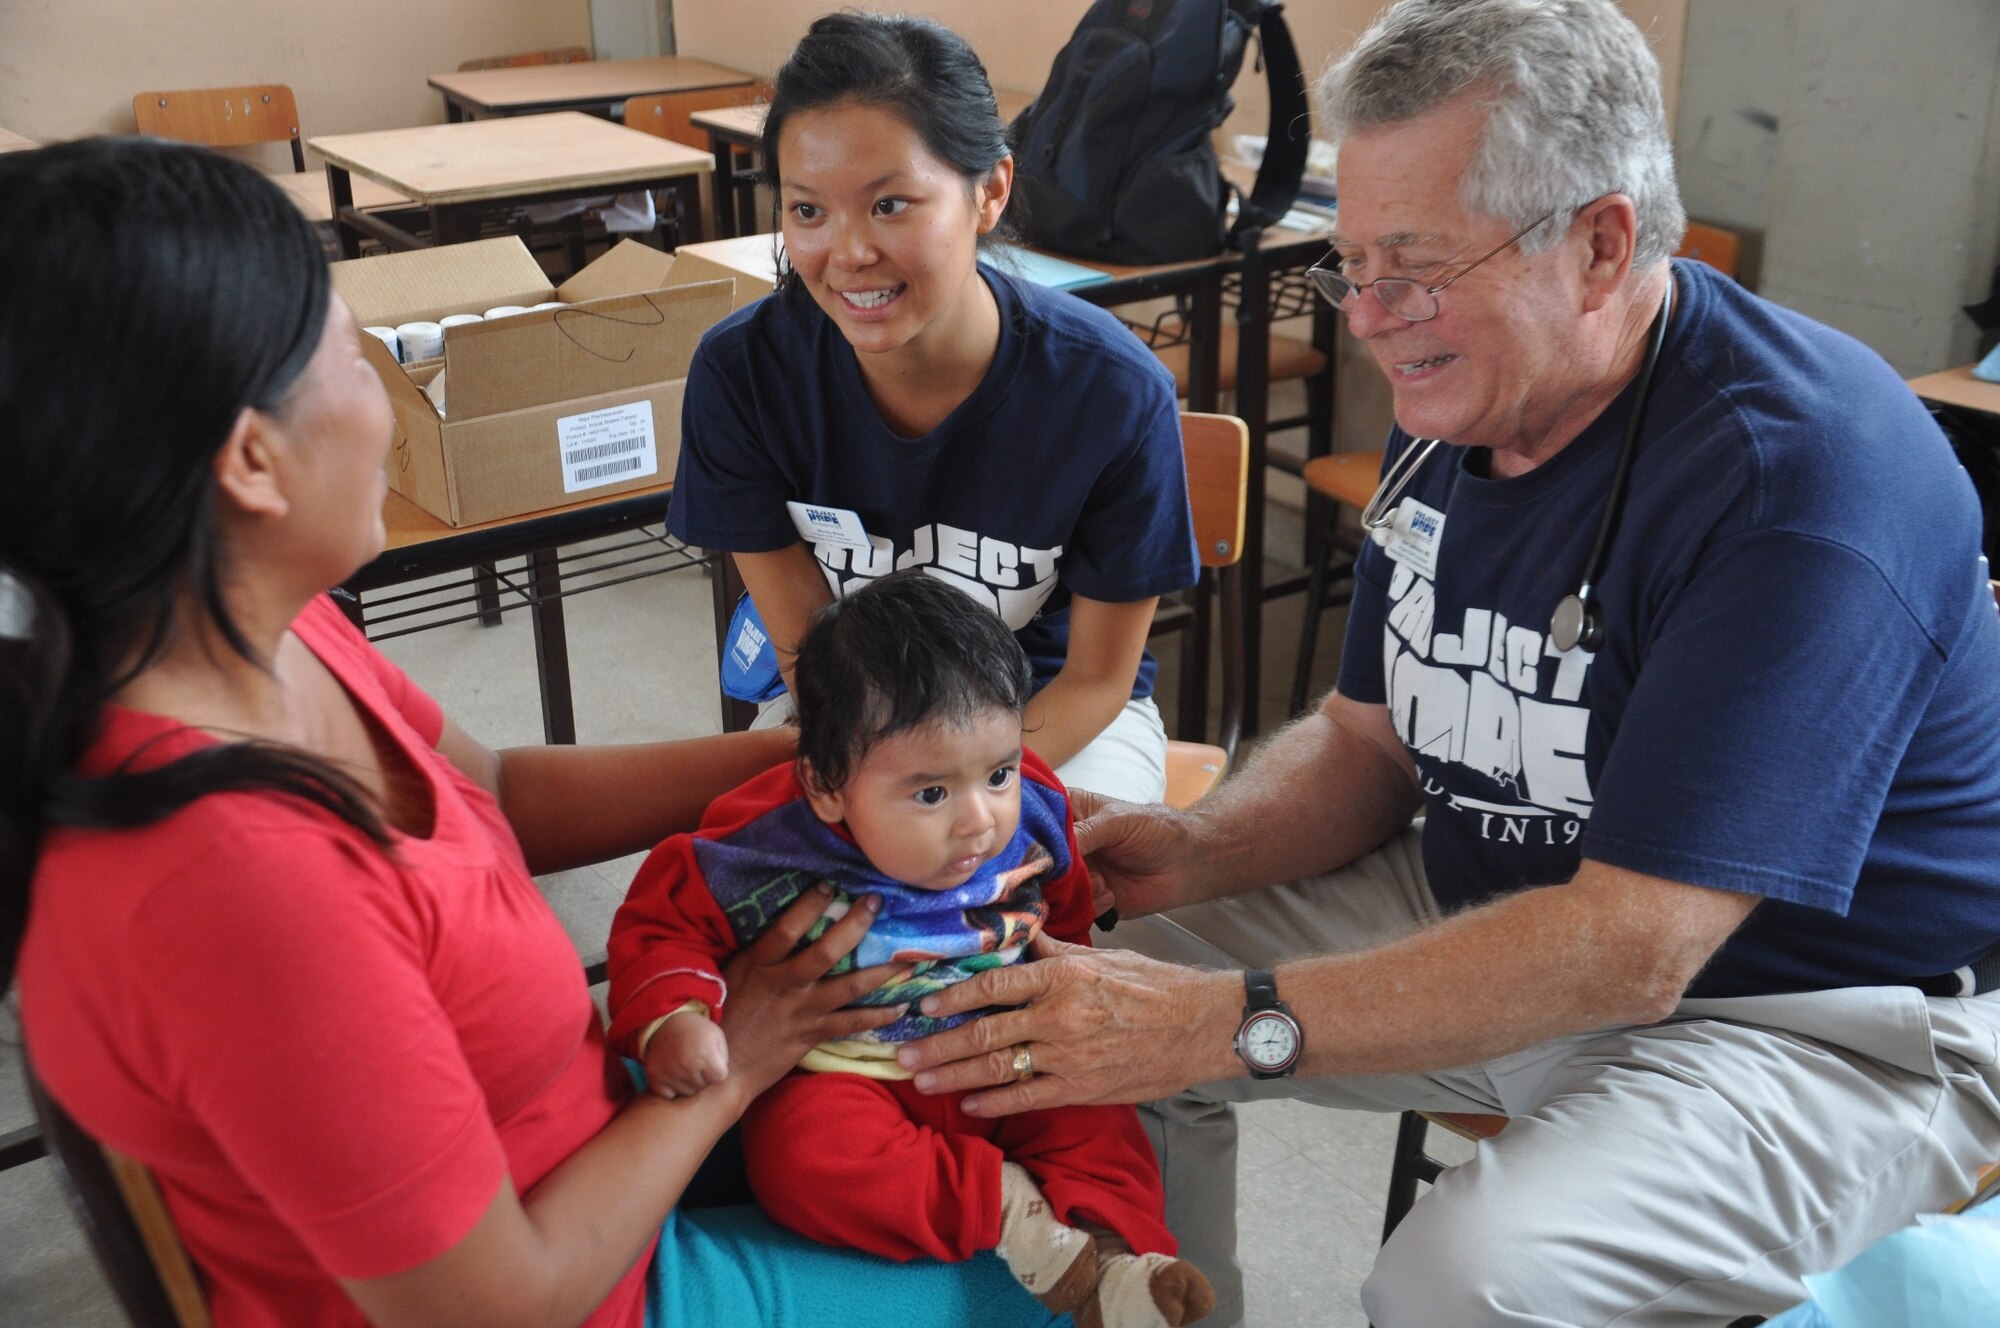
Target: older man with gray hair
point(1674, 631)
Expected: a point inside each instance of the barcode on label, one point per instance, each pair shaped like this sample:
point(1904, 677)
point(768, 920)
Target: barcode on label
point(607, 446)
point(588, 473)
point(583, 454)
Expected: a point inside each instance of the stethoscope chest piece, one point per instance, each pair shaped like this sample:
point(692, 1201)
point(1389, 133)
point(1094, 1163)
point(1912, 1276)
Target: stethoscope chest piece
point(1574, 623)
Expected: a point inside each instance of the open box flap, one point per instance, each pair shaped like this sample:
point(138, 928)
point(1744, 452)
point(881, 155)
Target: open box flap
point(429, 283)
point(626, 267)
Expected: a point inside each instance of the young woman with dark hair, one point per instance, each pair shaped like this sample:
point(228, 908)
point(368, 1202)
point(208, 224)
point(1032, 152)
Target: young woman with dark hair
point(272, 914)
point(1010, 439)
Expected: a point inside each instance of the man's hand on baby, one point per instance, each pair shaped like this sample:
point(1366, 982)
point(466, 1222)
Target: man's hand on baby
point(685, 1055)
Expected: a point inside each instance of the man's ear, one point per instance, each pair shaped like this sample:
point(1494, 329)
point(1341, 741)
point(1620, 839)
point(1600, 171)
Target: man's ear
point(830, 807)
point(246, 466)
point(1611, 225)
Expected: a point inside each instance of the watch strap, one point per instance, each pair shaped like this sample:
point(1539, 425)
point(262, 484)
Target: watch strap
point(1260, 990)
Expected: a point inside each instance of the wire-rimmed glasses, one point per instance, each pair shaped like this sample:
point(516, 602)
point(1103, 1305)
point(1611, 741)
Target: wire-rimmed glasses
point(1404, 298)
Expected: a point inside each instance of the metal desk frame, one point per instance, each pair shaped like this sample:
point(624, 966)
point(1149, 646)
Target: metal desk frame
point(548, 578)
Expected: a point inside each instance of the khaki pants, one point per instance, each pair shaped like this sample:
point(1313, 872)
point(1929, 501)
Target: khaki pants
point(1680, 1174)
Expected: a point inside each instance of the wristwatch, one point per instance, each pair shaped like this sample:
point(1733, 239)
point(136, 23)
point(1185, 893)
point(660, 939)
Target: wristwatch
point(1268, 1039)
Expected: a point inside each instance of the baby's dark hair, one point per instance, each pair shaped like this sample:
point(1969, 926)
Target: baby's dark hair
point(902, 652)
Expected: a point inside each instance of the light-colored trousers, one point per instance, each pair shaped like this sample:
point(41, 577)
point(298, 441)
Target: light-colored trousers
point(1127, 761)
point(1680, 1174)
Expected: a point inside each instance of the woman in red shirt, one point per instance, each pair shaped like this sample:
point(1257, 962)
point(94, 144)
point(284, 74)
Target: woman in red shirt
point(273, 914)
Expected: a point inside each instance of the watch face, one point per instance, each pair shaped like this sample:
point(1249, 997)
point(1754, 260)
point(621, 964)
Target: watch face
point(1270, 1041)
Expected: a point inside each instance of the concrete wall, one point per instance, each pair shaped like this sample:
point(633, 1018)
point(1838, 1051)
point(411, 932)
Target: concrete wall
point(1863, 141)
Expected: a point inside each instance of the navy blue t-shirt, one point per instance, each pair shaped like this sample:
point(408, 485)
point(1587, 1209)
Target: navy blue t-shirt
point(1799, 692)
point(1061, 474)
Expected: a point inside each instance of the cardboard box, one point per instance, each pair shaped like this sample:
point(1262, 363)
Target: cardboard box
point(751, 260)
point(541, 409)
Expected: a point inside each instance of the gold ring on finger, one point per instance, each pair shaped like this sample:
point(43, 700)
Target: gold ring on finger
point(1024, 1063)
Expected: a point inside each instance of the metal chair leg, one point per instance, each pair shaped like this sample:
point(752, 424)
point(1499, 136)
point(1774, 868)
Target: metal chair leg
point(1410, 1165)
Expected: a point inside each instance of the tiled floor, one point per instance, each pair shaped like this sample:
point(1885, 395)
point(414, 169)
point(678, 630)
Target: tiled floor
point(1312, 1180)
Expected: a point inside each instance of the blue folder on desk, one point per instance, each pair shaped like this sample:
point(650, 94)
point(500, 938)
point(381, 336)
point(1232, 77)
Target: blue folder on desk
point(1045, 270)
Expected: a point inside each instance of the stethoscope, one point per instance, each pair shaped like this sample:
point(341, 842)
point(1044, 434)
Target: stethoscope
point(1576, 622)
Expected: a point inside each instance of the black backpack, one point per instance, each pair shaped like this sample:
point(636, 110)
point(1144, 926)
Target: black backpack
point(1113, 160)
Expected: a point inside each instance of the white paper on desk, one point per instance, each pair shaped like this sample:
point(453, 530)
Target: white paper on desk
point(607, 446)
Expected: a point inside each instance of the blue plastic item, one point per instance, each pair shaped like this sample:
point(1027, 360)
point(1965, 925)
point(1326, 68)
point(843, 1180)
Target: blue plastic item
point(1989, 368)
point(1943, 1272)
point(750, 664)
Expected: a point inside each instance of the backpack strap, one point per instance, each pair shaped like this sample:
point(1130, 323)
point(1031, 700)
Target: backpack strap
point(1290, 133)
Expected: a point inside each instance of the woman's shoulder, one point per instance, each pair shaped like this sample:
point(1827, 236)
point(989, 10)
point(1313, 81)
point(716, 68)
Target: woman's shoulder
point(1078, 337)
point(774, 324)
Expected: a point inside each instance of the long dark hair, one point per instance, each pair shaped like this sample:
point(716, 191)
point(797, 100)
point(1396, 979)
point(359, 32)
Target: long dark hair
point(152, 292)
point(919, 69)
point(899, 653)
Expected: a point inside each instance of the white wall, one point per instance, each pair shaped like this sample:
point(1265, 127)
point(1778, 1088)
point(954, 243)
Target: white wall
point(70, 67)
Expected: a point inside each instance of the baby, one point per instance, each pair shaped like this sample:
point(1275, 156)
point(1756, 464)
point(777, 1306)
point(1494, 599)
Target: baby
point(911, 784)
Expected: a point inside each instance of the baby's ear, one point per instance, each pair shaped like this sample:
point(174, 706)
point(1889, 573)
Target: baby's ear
point(829, 807)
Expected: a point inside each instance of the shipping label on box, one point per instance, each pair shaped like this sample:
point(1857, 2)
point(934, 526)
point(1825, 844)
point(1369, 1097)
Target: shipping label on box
point(607, 446)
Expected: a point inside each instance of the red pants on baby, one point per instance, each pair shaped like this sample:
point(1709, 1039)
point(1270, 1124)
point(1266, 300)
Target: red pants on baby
point(874, 1165)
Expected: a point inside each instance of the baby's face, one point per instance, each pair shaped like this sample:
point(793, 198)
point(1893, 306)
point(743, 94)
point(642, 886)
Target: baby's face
point(930, 804)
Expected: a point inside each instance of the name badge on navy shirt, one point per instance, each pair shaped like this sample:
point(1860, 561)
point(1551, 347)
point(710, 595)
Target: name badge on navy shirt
point(1418, 530)
point(828, 525)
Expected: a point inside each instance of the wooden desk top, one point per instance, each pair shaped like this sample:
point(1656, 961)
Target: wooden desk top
point(13, 142)
point(410, 525)
point(585, 81)
point(509, 158)
point(308, 190)
point(741, 122)
point(1957, 387)
point(747, 122)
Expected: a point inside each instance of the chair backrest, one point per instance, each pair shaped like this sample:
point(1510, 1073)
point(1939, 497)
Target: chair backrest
point(120, 1209)
point(1218, 467)
point(560, 55)
point(668, 115)
point(1217, 448)
point(223, 117)
point(1720, 249)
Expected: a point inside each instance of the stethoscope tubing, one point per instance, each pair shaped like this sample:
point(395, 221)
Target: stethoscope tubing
point(1378, 518)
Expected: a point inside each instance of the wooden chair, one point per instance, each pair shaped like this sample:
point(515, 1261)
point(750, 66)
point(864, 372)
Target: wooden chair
point(1217, 448)
point(262, 113)
point(560, 55)
point(120, 1209)
point(224, 117)
point(668, 114)
point(1411, 1163)
point(1720, 249)
point(1349, 479)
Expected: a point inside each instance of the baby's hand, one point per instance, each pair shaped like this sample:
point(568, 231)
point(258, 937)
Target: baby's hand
point(686, 1054)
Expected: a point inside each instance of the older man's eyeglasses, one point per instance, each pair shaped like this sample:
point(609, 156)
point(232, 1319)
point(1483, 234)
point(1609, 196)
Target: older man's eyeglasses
point(1411, 301)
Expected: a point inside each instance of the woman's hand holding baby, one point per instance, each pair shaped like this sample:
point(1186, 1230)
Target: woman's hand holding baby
point(781, 1004)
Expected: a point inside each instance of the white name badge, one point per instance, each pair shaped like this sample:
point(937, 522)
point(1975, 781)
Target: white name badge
point(828, 525)
point(1419, 529)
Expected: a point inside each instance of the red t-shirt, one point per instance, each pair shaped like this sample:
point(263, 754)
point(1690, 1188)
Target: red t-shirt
point(328, 1056)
